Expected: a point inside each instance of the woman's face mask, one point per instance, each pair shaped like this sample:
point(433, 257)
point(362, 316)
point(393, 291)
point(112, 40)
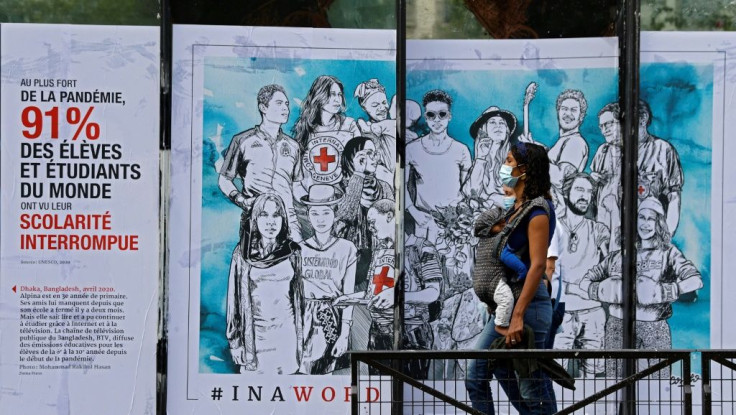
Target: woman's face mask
point(508, 202)
point(505, 175)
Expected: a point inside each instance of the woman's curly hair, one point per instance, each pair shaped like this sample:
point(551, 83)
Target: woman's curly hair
point(534, 158)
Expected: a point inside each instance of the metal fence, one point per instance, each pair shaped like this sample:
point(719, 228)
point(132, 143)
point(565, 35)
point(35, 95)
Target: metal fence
point(719, 368)
point(434, 382)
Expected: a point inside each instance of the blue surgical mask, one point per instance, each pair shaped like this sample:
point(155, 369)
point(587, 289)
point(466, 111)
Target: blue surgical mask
point(505, 175)
point(508, 202)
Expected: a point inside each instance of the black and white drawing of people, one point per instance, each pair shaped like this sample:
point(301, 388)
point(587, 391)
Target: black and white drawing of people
point(440, 173)
point(606, 170)
point(438, 165)
point(264, 300)
point(492, 134)
point(663, 275)
point(423, 284)
point(328, 271)
point(570, 152)
point(322, 131)
point(660, 171)
point(379, 127)
point(379, 295)
point(264, 158)
point(583, 242)
point(312, 274)
point(362, 187)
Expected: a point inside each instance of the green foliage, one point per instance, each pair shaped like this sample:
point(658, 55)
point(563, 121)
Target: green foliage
point(109, 12)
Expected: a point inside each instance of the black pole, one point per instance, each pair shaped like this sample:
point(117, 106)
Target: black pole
point(164, 152)
point(628, 37)
point(397, 389)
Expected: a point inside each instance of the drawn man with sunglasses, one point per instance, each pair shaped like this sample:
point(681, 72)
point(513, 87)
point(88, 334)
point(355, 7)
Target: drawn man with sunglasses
point(583, 243)
point(438, 166)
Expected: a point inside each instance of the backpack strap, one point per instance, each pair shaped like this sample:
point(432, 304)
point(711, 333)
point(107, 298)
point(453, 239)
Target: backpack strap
point(503, 236)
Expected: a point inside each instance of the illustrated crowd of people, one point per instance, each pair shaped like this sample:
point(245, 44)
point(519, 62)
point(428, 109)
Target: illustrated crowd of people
point(313, 273)
point(587, 274)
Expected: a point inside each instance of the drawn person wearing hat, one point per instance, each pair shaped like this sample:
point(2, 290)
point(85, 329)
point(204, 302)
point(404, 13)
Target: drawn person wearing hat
point(266, 159)
point(438, 166)
point(264, 296)
point(660, 171)
point(322, 131)
point(606, 170)
point(663, 275)
point(328, 271)
point(583, 242)
point(492, 132)
point(379, 127)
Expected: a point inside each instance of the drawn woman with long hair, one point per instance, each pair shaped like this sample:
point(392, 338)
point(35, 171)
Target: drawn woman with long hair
point(492, 133)
point(663, 275)
point(264, 301)
point(322, 131)
point(379, 127)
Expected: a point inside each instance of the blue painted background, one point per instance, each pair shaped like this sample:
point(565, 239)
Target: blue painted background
point(230, 89)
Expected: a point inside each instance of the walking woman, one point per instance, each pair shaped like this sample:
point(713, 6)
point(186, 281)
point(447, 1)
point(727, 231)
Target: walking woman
point(526, 171)
point(264, 299)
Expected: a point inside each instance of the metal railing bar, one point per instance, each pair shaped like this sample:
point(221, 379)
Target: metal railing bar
point(521, 353)
point(422, 387)
point(707, 399)
point(617, 386)
point(724, 362)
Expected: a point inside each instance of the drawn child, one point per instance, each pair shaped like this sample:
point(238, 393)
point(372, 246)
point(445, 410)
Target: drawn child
point(380, 292)
point(328, 271)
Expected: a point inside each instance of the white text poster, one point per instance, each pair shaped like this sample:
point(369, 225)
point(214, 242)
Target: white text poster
point(80, 185)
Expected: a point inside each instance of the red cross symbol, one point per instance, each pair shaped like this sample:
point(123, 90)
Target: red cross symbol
point(641, 190)
point(382, 280)
point(323, 159)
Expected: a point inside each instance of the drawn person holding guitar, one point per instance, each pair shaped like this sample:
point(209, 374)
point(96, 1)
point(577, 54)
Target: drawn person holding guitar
point(569, 154)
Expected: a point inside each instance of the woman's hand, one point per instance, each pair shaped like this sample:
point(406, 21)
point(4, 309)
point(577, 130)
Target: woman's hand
point(502, 330)
point(515, 331)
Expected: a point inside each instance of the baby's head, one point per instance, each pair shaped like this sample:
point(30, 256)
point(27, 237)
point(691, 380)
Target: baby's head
point(497, 218)
point(507, 191)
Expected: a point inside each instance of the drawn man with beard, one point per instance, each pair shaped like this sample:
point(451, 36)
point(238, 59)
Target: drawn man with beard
point(583, 242)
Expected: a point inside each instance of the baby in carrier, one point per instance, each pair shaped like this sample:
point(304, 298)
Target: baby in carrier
point(503, 296)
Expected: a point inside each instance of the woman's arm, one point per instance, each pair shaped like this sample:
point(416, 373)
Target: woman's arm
point(240, 330)
point(538, 234)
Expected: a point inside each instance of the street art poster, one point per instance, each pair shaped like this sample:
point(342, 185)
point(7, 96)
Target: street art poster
point(282, 216)
point(79, 298)
point(469, 101)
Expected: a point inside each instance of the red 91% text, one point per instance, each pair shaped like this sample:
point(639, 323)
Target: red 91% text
point(33, 120)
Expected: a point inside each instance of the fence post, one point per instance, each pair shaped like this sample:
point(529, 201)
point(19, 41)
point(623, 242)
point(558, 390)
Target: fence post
point(687, 384)
point(354, 392)
point(707, 397)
